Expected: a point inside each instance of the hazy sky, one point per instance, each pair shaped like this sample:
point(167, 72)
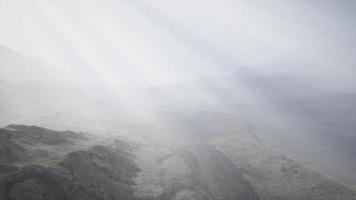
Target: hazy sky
point(144, 42)
point(147, 42)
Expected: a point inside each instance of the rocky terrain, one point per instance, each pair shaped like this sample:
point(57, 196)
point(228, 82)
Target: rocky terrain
point(308, 124)
point(223, 159)
point(216, 157)
point(41, 164)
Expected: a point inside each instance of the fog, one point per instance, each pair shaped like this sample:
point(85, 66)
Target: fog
point(148, 42)
point(287, 67)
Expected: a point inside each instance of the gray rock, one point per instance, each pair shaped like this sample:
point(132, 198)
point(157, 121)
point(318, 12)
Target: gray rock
point(82, 172)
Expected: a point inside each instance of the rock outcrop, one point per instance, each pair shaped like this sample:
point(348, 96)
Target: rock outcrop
point(41, 164)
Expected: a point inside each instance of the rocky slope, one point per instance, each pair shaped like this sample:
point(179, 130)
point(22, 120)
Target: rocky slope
point(307, 115)
point(222, 159)
point(37, 163)
point(213, 156)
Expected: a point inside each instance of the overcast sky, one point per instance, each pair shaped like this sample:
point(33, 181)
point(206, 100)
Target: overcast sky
point(152, 41)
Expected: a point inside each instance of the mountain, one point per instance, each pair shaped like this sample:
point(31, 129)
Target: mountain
point(220, 153)
point(27, 87)
point(31, 93)
point(314, 126)
point(229, 162)
point(16, 68)
point(204, 139)
point(38, 163)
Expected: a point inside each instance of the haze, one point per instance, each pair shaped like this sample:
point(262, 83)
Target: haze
point(148, 42)
point(288, 67)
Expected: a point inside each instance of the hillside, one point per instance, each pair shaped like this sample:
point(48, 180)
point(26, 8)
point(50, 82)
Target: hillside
point(229, 162)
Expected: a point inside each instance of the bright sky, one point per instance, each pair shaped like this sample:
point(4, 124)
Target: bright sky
point(147, 42)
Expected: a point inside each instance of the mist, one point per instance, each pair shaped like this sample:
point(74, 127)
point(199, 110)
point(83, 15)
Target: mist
point(189, 75)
